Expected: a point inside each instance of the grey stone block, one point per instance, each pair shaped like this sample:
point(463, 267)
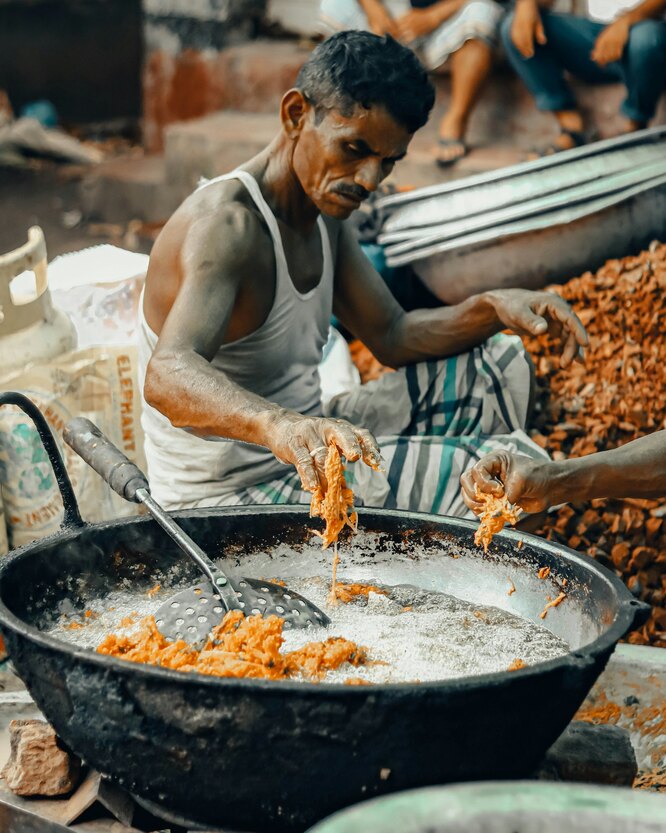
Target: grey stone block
point(590, 754)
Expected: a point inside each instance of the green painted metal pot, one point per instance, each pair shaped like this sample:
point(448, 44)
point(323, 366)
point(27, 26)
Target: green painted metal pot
point(506, 807)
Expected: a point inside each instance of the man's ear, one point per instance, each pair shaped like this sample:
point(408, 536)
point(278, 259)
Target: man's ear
point(294, 109)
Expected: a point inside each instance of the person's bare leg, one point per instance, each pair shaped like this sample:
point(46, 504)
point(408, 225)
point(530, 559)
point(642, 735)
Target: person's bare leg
point(470, 67)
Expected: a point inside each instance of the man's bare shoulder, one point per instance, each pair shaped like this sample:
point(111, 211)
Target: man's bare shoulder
point(220, 222)
point(224, 222)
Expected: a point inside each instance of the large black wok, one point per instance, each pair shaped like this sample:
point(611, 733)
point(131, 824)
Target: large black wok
point(260, 755)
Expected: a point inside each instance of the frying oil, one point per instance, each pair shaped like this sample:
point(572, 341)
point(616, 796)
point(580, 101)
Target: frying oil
point(412, 634)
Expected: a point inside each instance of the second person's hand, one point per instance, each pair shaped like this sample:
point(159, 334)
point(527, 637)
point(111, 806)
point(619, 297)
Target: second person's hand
point(380, 21)
point(419, 23)
point(611, 42)
point(526, 482)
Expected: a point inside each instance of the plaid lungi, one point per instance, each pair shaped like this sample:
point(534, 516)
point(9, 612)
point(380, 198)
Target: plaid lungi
point(433, 420)
point(476, 20)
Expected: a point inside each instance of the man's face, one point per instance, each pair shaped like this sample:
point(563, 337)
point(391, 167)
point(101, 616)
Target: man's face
point(341, 160)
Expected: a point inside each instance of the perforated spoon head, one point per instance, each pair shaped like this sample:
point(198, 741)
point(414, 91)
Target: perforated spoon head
point(193, 613)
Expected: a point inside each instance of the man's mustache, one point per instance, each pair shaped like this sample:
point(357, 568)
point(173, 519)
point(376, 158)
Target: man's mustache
point(354, 192)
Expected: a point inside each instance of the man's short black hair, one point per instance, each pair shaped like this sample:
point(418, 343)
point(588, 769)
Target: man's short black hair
point(359, 68)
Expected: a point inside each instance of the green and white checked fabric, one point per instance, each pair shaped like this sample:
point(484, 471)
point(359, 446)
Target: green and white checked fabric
point(433, 421)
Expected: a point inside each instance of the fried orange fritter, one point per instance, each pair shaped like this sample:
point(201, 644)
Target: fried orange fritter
point(348, 592)
point(497, 512)
point(239, 646)
point(552, 603)
point(334, 505)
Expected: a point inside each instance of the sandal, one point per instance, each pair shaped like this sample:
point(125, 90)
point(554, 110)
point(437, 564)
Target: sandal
point(578, 139)
point(451, 143)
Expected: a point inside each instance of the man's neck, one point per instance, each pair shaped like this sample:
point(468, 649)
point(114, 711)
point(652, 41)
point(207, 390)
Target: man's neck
point(281, 187)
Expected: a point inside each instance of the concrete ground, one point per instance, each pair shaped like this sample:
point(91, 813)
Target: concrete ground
point(51, 198)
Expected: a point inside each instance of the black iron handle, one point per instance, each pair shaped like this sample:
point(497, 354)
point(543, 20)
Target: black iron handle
point(72, 516)
point(641, 612)
point(109, 462)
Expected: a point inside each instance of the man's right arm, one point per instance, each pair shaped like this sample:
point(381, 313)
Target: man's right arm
point(527, 27)
point(218, 258)
point(637, 469)
point(180, 381)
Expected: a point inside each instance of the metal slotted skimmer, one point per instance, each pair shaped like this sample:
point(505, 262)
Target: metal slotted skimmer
point(191, 614)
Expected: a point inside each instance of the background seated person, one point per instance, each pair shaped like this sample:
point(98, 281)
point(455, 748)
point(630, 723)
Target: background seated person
point(467, 31)
point(542, 45)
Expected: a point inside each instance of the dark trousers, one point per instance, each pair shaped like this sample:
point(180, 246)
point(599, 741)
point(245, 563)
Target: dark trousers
point(642, 67)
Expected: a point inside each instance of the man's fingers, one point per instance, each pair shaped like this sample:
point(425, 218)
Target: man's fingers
point(468, 490)
point(573, 323)
point(533, 322)
point(570, 350)
point(318, 455)
point(372, 456)
point(558, 310)
point(306, 468)
point(540, 33)
point(514, 490)
point(488, 474)
point(343, 434)
point(485, 482)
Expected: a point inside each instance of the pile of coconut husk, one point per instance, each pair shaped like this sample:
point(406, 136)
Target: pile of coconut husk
point(617, 395)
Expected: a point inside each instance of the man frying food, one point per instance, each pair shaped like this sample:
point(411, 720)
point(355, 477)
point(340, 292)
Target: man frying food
point(240, 290)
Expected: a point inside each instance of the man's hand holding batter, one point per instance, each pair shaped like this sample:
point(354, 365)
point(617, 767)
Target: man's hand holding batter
point(303, 442)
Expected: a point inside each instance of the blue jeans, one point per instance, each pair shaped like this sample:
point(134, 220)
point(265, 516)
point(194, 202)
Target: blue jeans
point(642, 67)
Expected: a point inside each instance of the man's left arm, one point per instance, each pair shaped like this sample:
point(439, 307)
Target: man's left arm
point(647, 10)
point(366, 307)
point(612, 40)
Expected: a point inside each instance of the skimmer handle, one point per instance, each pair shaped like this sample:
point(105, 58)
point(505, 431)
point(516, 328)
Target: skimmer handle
point(110, 463)
point(130, 482)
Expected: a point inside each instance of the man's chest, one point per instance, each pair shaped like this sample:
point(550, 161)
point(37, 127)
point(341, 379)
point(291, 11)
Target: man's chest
point(294, 264)
point(303, 256)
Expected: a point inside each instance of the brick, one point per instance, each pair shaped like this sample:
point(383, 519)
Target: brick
point(38, 765)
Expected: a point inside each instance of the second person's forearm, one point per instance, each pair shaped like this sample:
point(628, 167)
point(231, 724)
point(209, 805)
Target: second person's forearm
point(637, 469)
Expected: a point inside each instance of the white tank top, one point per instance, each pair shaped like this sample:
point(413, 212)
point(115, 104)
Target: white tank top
point(278, 361)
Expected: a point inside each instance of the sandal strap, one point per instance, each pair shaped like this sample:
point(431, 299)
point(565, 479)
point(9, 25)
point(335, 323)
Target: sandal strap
point(578, 137)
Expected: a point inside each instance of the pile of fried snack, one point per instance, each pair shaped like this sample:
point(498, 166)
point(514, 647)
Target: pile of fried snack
point(251, 646)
